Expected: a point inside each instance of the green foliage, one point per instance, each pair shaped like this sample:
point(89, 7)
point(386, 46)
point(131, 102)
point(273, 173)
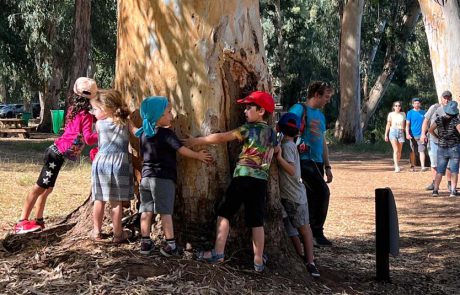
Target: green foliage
point(36, 37)
point(311, 30)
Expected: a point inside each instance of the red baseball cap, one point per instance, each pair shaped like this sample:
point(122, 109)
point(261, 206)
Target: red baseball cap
point(260, 98)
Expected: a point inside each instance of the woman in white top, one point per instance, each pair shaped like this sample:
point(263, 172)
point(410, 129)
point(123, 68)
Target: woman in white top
point(394, 132)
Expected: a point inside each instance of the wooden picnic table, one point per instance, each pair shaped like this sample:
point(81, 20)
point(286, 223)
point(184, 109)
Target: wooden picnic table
point(14, 127)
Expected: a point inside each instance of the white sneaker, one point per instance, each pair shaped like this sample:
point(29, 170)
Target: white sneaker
point(397, 169)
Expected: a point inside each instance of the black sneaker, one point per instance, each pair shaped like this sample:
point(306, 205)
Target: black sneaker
point(430, 187)
point(167, 251)
point(313, 270)
point(435, 193)
point(453, 193)
point(321, 241)
point(146, 246)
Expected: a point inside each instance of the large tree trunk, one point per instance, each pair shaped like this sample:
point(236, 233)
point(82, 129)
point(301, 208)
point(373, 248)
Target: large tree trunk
point(203, 56)
point(347, 128)
point(393, 57)
point(81, 43)
point(442, 27)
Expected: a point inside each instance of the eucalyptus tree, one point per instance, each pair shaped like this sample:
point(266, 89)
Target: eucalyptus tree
point(347, 128)
point(203, 56)
point(442, 27)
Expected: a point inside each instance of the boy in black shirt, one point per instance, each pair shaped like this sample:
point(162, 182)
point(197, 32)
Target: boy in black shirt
point(159, 145)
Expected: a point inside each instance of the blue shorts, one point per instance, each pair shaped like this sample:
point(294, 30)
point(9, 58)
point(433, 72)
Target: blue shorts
point(446, 155)
point(433, 153)
point(396, 135)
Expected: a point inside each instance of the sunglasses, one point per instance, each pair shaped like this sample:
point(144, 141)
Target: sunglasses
point(397, 105)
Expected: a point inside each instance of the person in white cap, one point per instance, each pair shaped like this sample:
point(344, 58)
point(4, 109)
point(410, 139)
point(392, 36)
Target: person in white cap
point(77, 132)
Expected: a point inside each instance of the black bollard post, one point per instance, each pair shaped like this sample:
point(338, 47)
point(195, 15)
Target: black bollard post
point(382, 234)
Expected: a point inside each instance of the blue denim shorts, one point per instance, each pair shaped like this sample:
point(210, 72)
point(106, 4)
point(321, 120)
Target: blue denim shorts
point(446, 154)
point(396, 134)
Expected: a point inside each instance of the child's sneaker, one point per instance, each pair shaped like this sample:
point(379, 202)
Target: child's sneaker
point(26, 226)
point(146, 246)
point(313, 270)
point(167, 251)
point(435, 193)
point(453, 193)
point(40, 223)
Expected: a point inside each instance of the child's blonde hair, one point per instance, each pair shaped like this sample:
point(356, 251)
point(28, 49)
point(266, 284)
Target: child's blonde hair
point(111, 101)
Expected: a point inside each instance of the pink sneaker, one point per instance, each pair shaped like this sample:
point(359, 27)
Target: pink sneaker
point(41, 224)
point(26, 226)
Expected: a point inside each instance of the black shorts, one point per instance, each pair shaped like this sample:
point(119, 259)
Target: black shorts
point(249, 191)
point(52, 163)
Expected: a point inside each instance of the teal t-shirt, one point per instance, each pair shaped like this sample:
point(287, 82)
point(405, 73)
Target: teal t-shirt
point(259, 141)
point(313, 134)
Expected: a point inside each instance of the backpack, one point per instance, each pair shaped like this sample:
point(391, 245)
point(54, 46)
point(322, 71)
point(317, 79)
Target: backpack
point(302, 146)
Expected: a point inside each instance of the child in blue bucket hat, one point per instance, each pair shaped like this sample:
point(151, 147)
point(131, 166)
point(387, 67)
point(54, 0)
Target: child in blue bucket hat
point(159, 144)
point(448, 133)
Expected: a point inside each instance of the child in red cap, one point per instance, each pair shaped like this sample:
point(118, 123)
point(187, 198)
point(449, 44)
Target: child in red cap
point(249, 183)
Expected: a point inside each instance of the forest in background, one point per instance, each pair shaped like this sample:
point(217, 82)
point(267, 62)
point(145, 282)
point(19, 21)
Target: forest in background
point(301, 37)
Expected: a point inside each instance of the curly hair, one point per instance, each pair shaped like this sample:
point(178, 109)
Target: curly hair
point(112, 102)
point(77, 104)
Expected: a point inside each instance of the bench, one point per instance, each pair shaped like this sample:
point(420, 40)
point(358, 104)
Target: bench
point(20, 132)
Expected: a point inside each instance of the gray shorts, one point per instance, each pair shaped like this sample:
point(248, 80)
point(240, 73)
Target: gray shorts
point(157, 195)
point(297, 213)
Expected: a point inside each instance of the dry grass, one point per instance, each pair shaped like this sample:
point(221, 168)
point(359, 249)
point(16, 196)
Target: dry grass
point(20, 165)
point(427, 264)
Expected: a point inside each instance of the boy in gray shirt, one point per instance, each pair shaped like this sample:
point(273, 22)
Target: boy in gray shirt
point(292, 190)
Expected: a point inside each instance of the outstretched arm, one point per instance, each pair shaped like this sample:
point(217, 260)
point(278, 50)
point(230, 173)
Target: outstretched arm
point(202, 155)
point(215, 138)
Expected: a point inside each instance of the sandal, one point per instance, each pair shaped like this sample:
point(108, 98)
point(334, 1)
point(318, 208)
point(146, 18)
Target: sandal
point(215, 258)
point(96, 236)
point(261, 267)
point(126, 234)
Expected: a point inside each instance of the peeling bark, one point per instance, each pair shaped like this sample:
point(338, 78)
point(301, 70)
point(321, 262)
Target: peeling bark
point(347, 128)
point(442, 27)
point(202, 55)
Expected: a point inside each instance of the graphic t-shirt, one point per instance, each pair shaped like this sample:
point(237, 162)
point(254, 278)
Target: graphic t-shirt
point(416, 120)
point(259, 141)
point(159, 153)
point(291, 187)
point(313, 134)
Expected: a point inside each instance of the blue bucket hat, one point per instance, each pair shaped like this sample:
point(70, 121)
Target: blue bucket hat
point(451, 108)
point(152, 109)
point(289, 119)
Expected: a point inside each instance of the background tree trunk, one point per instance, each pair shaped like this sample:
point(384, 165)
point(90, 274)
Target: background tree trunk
point(442, 27)
point(280, 55)
point(393, 57)
point(203, 56)
point(347, 128)
point(81, 43)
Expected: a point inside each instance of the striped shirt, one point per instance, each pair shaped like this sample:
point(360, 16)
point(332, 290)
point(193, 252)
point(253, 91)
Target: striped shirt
point(447, 132)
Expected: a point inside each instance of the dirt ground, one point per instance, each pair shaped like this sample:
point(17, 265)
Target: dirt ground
point(427, 264)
